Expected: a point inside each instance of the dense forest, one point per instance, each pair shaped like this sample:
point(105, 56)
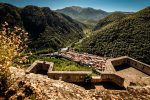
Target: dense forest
point(47, 29)
point(129, 35)
point(109, 19)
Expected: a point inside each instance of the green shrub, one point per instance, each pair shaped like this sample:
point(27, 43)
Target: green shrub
point(88, 79)
point(45, 51)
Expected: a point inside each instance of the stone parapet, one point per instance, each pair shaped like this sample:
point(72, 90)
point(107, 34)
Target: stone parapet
point(69, 76)
point(40, 65)
point(96, 79)
point(121, 79)
point(145, 68)
point(46, 68)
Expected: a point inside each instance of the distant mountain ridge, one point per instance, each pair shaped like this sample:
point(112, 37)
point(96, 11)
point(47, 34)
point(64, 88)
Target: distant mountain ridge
point(85, 15)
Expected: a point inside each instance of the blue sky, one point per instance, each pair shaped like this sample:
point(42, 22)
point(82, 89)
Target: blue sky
point(107, 5)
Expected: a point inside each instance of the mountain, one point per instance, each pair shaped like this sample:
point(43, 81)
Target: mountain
point(129, 35)
point(122, 12)
point(85, 15)
point(109, 19)
point(47, 29)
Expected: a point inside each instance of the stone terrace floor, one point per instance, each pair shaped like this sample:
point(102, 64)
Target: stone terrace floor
point(131, 74)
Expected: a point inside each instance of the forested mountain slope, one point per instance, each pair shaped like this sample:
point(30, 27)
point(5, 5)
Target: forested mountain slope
point(127, 36)
point(47, 29)
point(109, 19)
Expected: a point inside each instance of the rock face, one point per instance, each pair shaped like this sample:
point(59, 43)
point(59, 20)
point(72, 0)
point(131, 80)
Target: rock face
point(35, 86)
point(47, 89)
point(132, 93)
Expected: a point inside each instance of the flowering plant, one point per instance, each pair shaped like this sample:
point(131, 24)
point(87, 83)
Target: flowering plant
point(12, 43)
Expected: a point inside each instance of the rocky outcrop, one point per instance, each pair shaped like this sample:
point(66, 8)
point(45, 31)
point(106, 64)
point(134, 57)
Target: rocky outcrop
point(132, 93)
point(40, 87)
point(44, 88)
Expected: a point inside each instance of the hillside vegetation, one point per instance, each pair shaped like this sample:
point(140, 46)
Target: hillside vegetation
point(109, 19)
point(129, 35)
point(60, 64)
point(47, 29)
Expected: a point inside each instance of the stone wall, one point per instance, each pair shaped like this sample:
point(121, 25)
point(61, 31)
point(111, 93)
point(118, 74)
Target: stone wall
point(69, 76)
point(79, 76)
point(47, 67)
point(40, 65)
point(119, 61)
point(132, 62)
point(112, 75)
point(140, 66)
point(96, 79)
point(113, 78)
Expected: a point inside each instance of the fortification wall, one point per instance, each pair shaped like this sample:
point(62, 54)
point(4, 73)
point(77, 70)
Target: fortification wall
point(79, 76)
point(139, 65)
point(69, 76)
point(113, 78)
point(119, 61)
point(40, 65)
point(145, 68)
point(96, 79)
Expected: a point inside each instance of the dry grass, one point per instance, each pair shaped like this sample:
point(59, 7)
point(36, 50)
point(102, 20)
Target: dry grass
point(12, 43)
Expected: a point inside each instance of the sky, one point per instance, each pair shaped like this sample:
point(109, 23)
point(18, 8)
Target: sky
point(107, 5)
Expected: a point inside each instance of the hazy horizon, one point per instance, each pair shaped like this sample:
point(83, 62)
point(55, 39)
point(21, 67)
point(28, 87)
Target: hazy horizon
point(93, 8)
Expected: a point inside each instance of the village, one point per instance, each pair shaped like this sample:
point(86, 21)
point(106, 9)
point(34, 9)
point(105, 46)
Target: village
point(92, 60)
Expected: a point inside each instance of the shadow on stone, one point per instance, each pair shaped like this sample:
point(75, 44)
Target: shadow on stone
point(110, 86)
point(121, 67)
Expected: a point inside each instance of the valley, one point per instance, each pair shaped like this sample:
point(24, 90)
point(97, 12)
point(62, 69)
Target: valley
point(74, 53)
point(47, 29)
